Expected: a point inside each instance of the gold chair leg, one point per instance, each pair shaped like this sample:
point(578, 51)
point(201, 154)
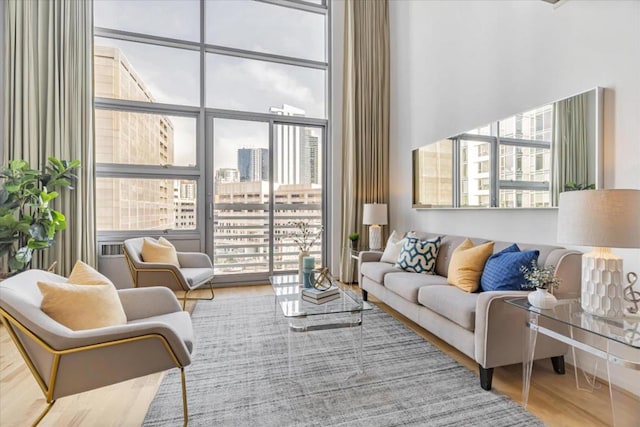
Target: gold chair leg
point(185, 297)
point(43, 413)
point(185, 409)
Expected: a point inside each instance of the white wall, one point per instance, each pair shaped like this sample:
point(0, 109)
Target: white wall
point(458, 65)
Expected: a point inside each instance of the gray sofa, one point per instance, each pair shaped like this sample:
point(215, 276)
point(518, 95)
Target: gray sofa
point(480, 325)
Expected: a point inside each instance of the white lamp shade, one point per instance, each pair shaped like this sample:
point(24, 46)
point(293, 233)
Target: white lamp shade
point(602, 218)
point(374, 214)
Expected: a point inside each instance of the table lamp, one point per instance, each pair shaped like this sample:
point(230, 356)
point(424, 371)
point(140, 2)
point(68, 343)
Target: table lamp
point(605, 219)
point(375, 215)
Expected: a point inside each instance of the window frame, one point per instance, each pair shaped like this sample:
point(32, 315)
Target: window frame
point(202, 172)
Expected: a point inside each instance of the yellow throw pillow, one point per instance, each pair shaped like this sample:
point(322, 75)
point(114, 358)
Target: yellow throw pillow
point(80, 307)
point(165, 242)
point(467, 263)
point(84, 274)
point(152, 251)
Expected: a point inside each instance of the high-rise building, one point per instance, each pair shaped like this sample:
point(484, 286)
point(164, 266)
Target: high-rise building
point(185, 208)
point(130, 138)
point(297, 151)
point(310, 160)
point(253, 164)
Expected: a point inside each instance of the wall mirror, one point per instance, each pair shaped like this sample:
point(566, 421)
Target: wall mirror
point(522, 161)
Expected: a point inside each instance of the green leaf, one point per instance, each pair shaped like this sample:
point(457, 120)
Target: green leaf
point(18, 164)
point(8, 221)
point(38, 232)
point(47, 197)
point(39, 244)
point(15, 264)
point(24, 254)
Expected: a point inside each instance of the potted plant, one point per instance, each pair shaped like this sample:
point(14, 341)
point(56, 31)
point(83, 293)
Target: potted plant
point(28, 223)
point(354, 237)
point(542, 279)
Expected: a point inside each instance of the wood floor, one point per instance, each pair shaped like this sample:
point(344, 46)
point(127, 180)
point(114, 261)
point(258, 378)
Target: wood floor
point(553, 398)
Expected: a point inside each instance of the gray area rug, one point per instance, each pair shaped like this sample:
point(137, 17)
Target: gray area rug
point(240, 376)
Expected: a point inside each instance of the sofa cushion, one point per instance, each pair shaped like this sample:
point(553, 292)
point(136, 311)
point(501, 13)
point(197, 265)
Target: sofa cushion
point(451, 303)
point(447, 246)
point(502, 271)
point(377, 270)
point(419, 256)
point(408, 284)
point(393, 248)
point(467, 263)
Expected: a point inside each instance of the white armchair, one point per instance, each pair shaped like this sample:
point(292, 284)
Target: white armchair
point(195, 271)
point(158, 336)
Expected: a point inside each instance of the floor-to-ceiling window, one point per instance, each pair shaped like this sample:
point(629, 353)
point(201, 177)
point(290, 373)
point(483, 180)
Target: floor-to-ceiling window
point(211, 126)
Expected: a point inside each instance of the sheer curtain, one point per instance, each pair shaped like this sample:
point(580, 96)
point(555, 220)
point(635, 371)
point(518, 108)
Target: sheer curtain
point(365, 137)
point(570, 153)
point(48, 103)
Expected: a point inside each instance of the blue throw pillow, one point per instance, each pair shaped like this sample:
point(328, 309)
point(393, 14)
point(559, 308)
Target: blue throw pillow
point(419, 257)
point(502, 270)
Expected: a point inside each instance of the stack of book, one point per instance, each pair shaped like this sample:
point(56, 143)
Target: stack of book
point(317, 296)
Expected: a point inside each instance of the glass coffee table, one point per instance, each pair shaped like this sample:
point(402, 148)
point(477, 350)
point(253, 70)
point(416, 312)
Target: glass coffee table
point(303, 316)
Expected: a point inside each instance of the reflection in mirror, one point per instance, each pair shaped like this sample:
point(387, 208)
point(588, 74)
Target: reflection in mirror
point(522, 161)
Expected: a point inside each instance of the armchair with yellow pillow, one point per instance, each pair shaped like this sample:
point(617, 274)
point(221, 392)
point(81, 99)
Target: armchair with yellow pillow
point(81, 333)
point(154, 262)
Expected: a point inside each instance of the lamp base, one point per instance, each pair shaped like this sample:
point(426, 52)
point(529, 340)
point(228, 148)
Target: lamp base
point(602, 286)
point(375, 237)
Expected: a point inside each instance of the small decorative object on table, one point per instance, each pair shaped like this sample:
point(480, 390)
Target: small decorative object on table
point(542, 279)
point(305, 236)
point(308, 264)
point(632, 296)
point(323, 289)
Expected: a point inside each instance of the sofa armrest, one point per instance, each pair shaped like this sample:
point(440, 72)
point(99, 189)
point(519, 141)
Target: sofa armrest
point(501, 328)
point(139, 303)
point(369, 256)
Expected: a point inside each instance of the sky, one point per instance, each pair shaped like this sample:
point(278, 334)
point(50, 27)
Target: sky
point(172, 75)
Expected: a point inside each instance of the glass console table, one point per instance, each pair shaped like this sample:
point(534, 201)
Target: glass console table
point(616, 341)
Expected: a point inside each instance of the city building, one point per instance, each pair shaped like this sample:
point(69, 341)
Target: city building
point(253, 164)
point(131, 138)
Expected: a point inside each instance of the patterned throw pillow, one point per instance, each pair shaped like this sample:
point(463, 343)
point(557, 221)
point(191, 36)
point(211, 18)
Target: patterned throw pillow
point(502, 270)
point(419, 256)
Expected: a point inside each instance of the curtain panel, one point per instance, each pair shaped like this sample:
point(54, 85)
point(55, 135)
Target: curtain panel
point(48, 103)
point(365, 135)
point(570, 152)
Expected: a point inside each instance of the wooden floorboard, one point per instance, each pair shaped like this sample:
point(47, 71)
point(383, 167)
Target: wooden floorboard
point(553, 398)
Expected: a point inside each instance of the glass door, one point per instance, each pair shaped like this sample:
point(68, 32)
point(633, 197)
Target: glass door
point(297, 186)
point(241, 202)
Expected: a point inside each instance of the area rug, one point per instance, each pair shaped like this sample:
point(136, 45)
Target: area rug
point(240, 376)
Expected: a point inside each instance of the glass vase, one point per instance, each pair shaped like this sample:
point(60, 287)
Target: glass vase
point(301, 256)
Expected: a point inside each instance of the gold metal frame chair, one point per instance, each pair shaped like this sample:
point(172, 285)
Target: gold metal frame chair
point(65, 362)
point(195, 271)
